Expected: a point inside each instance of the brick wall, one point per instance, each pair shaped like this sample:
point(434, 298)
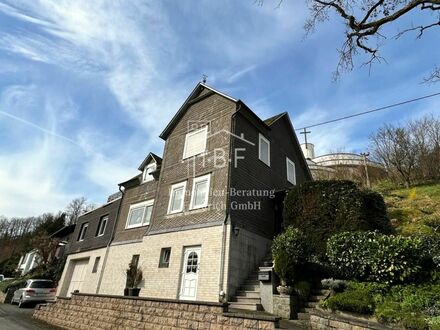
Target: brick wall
point(84, 311)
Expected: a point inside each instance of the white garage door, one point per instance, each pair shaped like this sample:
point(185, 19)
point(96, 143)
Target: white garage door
point(78, 275)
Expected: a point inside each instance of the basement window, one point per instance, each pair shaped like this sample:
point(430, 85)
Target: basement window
point(96, 264)
point(165, 254)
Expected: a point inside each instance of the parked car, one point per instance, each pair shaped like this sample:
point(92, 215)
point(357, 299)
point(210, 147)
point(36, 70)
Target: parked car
point(34, 291)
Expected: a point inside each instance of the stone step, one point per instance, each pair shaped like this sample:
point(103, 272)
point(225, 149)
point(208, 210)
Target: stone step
point(317, 298)
point(245, 306)
point(294, 324)
point(248, 294)
point(247, 287)
point(303, 316)
point(306, 310)
point(320, 292)
point(241, 299)
point(311, 304)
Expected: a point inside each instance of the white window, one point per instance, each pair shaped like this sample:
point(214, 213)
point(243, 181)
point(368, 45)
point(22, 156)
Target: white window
point(146, 176)
point(102, 225)
point(177, 196)
point(200, 192)
point(139, 214)
point(291, 173)
point(83, 231)
point(264, 150)
point(195, 142)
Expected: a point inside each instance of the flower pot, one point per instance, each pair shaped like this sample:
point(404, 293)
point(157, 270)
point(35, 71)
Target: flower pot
point(134, 292)
point(284, 290)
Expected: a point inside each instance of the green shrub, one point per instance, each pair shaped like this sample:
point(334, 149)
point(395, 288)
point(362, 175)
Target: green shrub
point(414, 322)
point(434, 323)
point(375, 257)
point(288, 251)
point(322, 208)
point(389, 312)
point(356, 301)
point(431, 249)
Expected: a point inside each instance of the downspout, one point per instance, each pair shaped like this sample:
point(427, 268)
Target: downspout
point(104, 262)
point(224, 234)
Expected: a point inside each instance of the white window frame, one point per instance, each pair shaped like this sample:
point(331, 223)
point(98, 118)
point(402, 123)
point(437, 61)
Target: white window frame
point(205, 128)
point(195, 181)
point(101, 220)
point(148, 177)
point(136, 206)
point(288, 161)
point(262, 138)
point(174, 187)
point(82, 233)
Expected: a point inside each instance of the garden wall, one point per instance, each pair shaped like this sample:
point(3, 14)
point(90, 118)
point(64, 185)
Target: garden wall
point(87, 311)
point(321, 320)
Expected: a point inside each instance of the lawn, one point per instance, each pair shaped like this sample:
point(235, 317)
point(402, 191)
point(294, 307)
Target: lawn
point(414, 210)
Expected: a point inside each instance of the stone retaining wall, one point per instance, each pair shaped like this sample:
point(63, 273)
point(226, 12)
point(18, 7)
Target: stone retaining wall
point(322, 320)
point(86, 311)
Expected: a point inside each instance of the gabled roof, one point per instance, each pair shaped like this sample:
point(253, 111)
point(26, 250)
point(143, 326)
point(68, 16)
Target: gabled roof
point(272, 120)
point(285, 116)
point(135, 179)
point(151, 156)
point(192, 97)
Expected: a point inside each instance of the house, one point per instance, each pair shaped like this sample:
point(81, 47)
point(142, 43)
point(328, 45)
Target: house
point(32, 259)
point(199, 219)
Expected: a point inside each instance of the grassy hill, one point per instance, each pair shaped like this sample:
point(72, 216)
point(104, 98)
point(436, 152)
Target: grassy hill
point(415, 210)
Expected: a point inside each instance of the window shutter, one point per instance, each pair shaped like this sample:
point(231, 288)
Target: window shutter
point(195, 142)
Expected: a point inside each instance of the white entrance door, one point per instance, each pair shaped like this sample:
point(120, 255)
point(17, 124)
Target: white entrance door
point(78, 275)
point(190, 273)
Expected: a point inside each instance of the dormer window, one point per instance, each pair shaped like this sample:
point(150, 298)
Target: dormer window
point(147, 176)
point(195, 142)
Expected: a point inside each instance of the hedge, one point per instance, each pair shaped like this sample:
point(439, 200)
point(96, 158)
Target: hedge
point(322, 208)
point(375, 257)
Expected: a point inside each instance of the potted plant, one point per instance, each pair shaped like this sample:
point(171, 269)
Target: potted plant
point(288, 251)
point(134, 279)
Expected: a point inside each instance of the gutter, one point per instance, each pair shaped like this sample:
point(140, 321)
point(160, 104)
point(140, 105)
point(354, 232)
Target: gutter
point(222, 294)
point(104, 262)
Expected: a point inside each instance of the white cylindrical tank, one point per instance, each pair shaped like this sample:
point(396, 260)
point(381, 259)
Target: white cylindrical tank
point(308, 150)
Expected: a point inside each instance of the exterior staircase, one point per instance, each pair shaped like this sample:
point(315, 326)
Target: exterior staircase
point(316, 296)
point(247, 297)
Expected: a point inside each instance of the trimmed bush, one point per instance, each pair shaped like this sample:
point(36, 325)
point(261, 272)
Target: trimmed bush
point(302, 289)
point(375, 257)
point(288, 252)
point(322, 208)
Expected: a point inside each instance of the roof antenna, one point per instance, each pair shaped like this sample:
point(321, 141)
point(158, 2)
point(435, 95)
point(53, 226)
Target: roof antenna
point(204, 77)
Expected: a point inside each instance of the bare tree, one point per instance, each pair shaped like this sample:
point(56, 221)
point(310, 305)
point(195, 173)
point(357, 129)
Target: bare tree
point(394, 146)
point(77, 207)
point(45, 247)
point(365, 21)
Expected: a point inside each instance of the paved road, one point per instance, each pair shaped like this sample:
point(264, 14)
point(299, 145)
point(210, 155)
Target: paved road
point(14, 318)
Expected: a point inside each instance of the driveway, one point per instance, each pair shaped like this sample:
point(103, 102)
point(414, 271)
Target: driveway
point(14, 318)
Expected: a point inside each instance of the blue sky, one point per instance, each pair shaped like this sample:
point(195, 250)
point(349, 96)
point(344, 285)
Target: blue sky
point(87, 86)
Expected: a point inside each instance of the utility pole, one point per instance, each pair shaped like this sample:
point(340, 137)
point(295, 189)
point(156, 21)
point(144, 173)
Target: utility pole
point(364, 156)
point(305, 132)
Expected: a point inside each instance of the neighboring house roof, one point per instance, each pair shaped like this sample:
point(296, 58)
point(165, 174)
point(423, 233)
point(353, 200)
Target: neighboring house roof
point(147, 160)
point(191, 98)
point(66, 230)
point(134, 180)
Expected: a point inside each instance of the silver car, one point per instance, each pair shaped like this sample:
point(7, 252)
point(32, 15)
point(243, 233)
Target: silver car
point(34, 291)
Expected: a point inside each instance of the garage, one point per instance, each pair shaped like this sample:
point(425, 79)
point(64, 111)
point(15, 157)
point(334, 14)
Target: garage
point(79, 271)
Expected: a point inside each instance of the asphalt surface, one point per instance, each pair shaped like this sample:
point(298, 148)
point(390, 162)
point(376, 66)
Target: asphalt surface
point(14, 318)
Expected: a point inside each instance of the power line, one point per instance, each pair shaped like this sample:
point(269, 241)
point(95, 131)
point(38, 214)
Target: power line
point(369, 111)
